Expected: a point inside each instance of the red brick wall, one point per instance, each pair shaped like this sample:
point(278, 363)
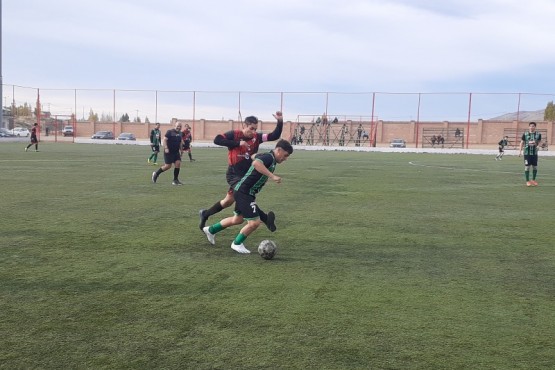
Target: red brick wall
point(479, 133)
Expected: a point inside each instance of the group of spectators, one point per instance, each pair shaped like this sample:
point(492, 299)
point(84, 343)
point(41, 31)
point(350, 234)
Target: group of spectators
point(302, 135)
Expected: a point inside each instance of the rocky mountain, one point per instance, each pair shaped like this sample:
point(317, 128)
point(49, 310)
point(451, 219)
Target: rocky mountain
point(535, 115)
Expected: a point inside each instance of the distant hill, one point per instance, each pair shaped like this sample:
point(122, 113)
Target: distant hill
point(535, 115)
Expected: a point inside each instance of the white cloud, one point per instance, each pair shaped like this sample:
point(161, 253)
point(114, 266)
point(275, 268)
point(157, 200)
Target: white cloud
point(304, 44)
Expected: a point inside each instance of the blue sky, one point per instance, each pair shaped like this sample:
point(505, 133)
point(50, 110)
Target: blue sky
point(424, 46)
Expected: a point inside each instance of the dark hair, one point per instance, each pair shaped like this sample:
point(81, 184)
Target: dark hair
point(285, 145)
point(532, 123)
point(251, 120)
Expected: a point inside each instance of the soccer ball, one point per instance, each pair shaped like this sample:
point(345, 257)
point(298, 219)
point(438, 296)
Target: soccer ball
point(267, 249)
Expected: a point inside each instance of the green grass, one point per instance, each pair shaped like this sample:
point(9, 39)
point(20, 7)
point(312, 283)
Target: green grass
point(385, 261)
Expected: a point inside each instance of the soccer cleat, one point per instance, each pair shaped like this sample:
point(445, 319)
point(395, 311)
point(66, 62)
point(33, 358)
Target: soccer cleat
point(156, 164)
point(529, 183)
point(203, 218)
point(211, 237)
point(177, 183)
point(36, 150)
point(239, 248)
point(26, 149)
point(270, 222)
point(193, 160)
point(534, 183)
point(148, 161)
point(154, 177)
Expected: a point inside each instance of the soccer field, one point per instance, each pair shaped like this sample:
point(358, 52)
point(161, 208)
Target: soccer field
point(385, 261)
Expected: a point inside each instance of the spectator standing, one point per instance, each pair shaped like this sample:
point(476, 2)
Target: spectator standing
point(359, 134)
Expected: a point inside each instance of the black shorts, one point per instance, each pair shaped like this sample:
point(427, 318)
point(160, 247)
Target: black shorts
point(245, 205)
point(232, 178)
point(501, 149)
point(531, 160)
point(34, 139)
point(170, 157)
point(186, 145)
point(155, 148)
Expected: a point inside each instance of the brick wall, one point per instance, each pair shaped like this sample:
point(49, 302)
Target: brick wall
point(479, 133)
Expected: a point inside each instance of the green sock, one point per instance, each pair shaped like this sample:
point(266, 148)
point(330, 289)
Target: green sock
point(216, 228)
point(527, 175)
point(534, 173)
point(155, 157)
point(239, 239)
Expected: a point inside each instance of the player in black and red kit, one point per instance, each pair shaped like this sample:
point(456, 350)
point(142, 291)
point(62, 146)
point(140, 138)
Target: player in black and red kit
point(246, 208)
point(242, 145)
point(187, 138)
point(34, 139)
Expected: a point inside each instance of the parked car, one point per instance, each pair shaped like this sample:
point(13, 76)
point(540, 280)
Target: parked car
point(108, 135)
point(20, 131)
point(67, 131)
point(4, 132)
point(397, 143)
point(126, 136)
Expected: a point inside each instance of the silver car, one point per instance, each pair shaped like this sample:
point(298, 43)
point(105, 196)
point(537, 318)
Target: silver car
point(126, 136)
point(20, 131)
point(397, 143)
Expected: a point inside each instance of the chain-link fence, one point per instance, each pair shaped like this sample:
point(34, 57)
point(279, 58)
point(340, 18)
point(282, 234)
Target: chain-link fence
point(352, 118)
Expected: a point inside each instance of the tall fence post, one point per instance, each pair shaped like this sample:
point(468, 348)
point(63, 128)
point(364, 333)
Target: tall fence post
point(468, 120)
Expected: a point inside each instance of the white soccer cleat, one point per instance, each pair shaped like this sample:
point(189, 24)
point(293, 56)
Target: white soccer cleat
point(240, 248)
point(211, 237)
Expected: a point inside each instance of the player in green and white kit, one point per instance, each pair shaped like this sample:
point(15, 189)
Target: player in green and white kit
point(530, 142)
point(502, 144)
point(244, 193)
point(155, 139)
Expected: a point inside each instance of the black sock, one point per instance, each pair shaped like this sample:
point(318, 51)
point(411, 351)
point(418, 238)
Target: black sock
point(217, 207)
point(190, 156)
point(176, 173)
point(263, 216)
point(159, 171)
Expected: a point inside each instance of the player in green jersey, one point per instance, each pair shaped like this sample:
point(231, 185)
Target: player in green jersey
point(155, 140)
point(502, 144)
point(245, 191)
point(530, 143)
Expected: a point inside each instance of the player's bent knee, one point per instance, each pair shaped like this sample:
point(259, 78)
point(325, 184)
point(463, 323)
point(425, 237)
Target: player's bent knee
point(227, 201)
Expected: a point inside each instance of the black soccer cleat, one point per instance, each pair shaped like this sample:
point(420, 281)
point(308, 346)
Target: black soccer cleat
point(203, 218)
point(270, 221)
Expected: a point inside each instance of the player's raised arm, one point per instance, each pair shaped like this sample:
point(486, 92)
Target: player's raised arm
point(227, 140)
point(276, 134)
